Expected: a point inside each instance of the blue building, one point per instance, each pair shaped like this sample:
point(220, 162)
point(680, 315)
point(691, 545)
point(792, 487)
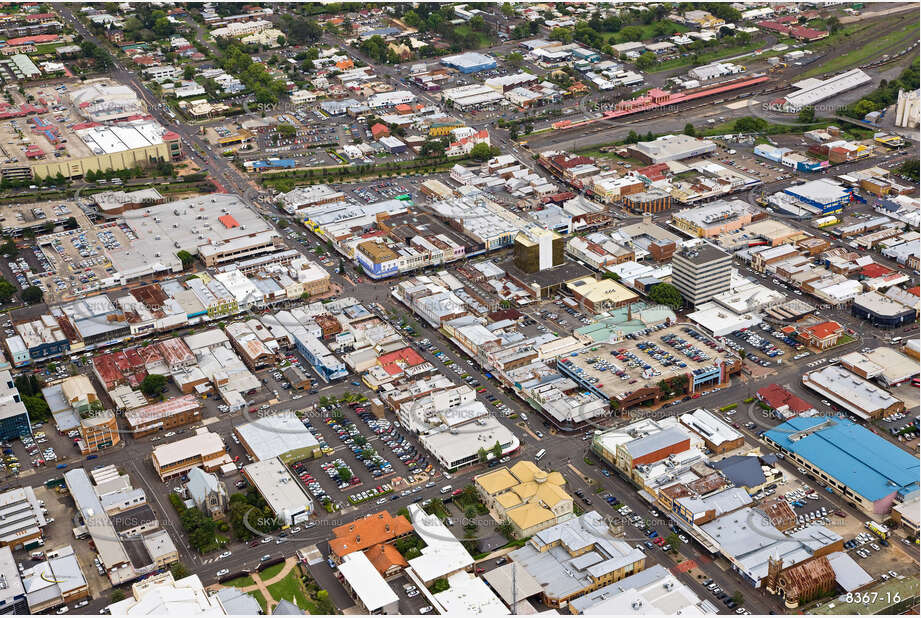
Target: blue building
point(827, 196)
point(14, 418)
point(470, 62)
point(866, 469)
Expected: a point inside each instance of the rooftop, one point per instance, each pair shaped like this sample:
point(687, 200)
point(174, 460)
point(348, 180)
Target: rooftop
point(865, 462)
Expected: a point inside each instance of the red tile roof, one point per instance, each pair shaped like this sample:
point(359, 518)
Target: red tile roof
point(822, 330)
point(367, 532)
point(395, 362)
point(777, 397)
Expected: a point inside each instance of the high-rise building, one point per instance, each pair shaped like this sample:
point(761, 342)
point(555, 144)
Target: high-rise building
point(700, 272)
point(538, 249)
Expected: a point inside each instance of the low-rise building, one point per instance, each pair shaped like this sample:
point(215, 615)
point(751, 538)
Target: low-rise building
point(717, 435)
point(868, 471)
point(163, 415)
point(852, 392)
point(577, 557)
point(203, 449)
point(283, 493)
point(528, 497)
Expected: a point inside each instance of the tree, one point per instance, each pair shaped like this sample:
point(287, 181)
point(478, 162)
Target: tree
point(611, 275)
point(506, 529)
point(7, 290)
point(481, 454)
point(32, 295)
point(497, 450)
point(153, 384)
point(666, 294)
point(117, 595)
point(345, 475)
point(750, 124)
point(690, 130)
point(673, 540)
point(806, 115)
point(515, 59)
point(646, 61)
point(37, 407)
point(186, 258)
point(481, 151)
point(179, 571)
point(910, 169)
point(737, 597)
point(9, 249)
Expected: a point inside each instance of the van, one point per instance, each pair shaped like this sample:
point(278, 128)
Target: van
point(523, 417)
point(540, 454)
point(445, 489)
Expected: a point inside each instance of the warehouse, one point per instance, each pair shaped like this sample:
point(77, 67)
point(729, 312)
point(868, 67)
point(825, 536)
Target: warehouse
point(282, 492)
point(826, 195)
point(671, 148)
point(852, 393)
point(474, 96)
point(811, 91)
point(277, 434)
point(868, 470)
point(471, 62)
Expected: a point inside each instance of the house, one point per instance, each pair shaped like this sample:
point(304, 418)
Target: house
point(783, 403)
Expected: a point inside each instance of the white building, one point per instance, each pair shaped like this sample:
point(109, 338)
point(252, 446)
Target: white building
point(366, 585)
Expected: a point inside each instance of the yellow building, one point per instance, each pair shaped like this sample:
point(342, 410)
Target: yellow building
point(528, 497)
point(600, 295)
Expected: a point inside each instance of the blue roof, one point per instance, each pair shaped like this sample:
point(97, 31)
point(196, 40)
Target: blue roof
point(865, 462)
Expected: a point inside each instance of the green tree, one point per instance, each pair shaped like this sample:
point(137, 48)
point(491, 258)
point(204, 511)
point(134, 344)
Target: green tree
point(737, 597)
point(186, 258)
point(910, 169)
point(37, 407)
point(507, 9)
point(481, 454)
point(153, 384)
point(506, 529)
point(9, 249)
point(666, 294)
point(345, 475)
point(179, 571)
point(481, 152)
point(646, 61)
point(515, 59)
point(117, 595)
point(497, 450)
point(7, 290)
point(806, 115)
point(32, 295)
point(690, 130)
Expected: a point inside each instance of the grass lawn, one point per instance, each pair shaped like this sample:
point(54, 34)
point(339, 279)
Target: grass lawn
point(241, 582)
point(260, 600)
point(649, 32)
point(464, 31)
point(272, 571)
point(291, 589)
point(871, 49)
point(843, 339)
point(706, 57)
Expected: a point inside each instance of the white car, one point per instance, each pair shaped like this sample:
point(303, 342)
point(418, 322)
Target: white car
point(226, 554)
point(222, 573)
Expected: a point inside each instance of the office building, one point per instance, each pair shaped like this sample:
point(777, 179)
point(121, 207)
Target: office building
point(701, 272)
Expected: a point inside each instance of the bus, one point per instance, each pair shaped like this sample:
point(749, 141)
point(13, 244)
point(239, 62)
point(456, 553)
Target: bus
point(406, 197)
point(540, 454)
point(878, 529)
